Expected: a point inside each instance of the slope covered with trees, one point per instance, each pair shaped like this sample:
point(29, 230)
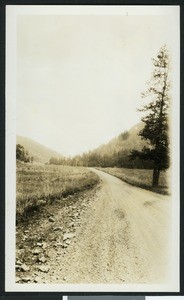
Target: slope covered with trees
point(115, 153)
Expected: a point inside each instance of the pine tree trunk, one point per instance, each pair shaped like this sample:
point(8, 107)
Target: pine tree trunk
point(156, 174)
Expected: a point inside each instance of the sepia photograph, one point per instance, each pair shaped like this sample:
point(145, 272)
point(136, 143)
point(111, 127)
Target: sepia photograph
point(92, 148)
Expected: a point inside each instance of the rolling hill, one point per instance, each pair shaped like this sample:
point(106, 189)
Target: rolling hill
point(126, 141)
point(40, 153)
point(116, 152)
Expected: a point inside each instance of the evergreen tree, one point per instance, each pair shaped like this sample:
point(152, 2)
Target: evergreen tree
point(156, 126)
point(20, 152)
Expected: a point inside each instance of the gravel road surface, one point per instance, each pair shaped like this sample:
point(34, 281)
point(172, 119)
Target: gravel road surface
point(123, 237)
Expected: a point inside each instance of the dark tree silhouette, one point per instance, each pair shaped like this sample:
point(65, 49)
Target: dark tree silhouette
point(156, 126)
point(22, 154)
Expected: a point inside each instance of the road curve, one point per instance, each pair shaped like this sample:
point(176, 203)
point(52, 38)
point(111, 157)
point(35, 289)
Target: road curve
point(123, 238)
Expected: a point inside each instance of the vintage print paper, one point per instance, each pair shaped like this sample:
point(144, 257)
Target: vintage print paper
point(92, 148)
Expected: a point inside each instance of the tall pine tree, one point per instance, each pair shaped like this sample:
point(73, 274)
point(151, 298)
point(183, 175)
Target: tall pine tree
point(156, 126)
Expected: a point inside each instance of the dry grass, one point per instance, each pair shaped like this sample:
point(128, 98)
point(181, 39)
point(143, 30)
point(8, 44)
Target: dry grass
point(141, 178)
point(38, 185)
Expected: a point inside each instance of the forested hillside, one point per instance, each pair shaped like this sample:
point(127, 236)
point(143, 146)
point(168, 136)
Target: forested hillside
point(113, 154)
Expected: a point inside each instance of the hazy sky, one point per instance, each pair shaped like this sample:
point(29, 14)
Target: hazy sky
point(79, 78)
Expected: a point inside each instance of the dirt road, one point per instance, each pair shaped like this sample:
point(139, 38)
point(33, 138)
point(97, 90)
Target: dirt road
point(122, 237)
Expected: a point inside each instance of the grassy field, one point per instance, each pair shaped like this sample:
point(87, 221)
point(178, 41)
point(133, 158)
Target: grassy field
point(141, 178)
point(38, 185)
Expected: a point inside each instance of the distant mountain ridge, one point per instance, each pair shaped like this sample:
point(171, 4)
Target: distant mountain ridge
point(114, 153)
point(39, 152)
point(125, 141)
